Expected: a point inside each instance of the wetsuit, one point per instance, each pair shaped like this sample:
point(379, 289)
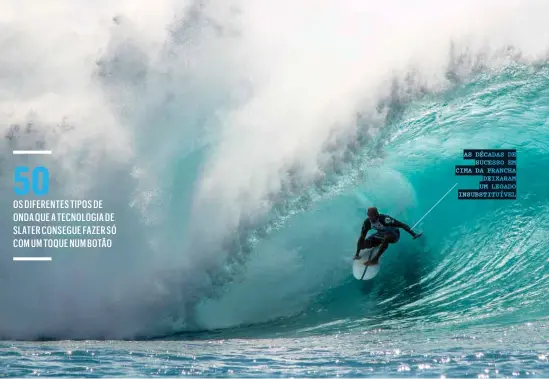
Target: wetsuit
point(383, 225)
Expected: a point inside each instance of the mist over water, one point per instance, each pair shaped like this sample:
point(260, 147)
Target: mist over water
point(239, 144)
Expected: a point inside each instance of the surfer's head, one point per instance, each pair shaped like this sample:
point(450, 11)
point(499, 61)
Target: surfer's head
point(373, 214)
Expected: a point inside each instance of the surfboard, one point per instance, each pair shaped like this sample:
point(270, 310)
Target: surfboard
point(361, 272)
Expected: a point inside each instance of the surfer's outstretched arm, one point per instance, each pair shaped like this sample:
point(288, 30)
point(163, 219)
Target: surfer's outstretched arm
point(365, 229)
point(402, 225)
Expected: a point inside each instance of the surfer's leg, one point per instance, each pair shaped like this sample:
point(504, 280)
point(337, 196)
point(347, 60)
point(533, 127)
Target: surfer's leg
point(387, 239)
point(372, 241)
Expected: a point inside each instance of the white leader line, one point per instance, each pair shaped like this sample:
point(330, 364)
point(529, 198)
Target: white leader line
point(32, 259)
point(31, 152)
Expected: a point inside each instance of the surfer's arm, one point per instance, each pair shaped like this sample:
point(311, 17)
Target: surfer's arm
point(365, 229)
point(402, 225)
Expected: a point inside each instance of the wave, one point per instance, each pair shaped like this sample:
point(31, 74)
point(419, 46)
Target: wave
point(479, 261)
point(239, 161)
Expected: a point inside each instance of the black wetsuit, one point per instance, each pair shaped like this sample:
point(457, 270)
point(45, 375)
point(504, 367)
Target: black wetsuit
point(383, 225)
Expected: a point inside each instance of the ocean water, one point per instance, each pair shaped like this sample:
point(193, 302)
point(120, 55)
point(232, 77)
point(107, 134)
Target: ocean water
point(239, 151)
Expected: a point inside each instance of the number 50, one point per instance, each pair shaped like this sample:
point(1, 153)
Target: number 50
point(40, 180)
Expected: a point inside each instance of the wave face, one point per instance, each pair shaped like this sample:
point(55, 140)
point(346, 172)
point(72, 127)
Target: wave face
point(239, 146)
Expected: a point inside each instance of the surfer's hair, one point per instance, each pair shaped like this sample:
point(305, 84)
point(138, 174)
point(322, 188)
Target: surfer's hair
point(373, 210)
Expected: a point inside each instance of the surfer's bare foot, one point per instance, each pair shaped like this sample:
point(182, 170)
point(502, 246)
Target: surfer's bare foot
point(373, 262)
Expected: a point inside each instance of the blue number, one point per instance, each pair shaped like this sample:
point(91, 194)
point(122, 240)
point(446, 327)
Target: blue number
point(40, 180)
point(24, 189)
point(36, 187)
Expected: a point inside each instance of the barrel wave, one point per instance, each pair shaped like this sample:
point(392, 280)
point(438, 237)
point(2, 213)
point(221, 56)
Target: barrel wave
point(479, 261)
point(240, 162)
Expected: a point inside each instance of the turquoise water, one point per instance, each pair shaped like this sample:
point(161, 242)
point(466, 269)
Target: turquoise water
point(469, 299)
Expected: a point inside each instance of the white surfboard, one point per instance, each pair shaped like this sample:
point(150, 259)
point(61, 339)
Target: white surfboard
point(362, 272)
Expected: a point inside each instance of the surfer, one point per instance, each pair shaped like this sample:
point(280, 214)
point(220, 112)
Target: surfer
point(387, 231)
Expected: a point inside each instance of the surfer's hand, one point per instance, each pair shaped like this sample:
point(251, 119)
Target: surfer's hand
point(418, 235)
